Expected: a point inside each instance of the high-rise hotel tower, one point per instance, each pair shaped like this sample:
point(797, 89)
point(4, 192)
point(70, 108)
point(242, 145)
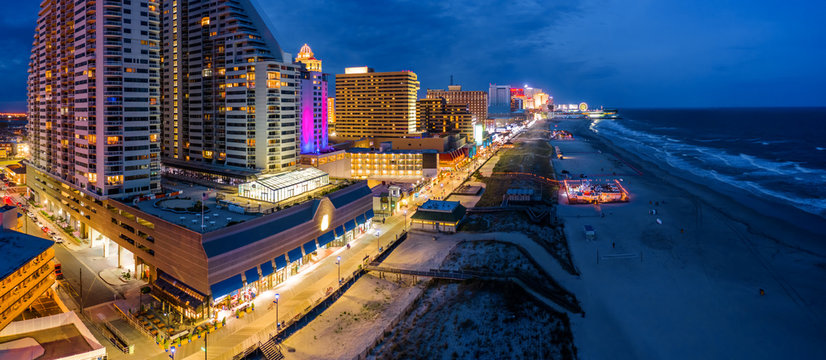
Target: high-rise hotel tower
point(313, 103)
point(375, 104)
point(94, 95)
point(229, 92)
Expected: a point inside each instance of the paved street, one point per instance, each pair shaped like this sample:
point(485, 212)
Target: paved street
point(95, 290)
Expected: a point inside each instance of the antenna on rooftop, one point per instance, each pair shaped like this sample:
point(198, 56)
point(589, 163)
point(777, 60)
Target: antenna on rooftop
point(451, 79)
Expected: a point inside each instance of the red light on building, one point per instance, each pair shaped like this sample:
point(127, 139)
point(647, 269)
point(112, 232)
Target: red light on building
point(517, 92)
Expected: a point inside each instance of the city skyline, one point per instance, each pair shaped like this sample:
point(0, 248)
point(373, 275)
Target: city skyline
point(681, 56)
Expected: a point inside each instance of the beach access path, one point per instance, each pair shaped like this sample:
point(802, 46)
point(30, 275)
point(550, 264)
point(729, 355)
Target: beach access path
point(688, 287)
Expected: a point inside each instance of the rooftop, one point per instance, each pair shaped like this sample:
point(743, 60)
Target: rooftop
point(17, 248)
point(368, 150)
point(280, 221)
point(441, 211)
point(180, 209)
point(291, 178)
point(59, 336)
point(439, 205)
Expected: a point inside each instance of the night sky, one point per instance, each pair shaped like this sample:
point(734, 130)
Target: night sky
point(619, 53)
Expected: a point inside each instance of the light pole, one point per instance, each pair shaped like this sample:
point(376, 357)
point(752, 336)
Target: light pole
point(378, 240)
point(173, 353)
point(338, 262)
point(405, 220)
point(277, 324)
point(205, 345)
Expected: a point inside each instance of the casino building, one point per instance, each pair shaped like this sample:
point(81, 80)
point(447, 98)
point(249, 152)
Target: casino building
point(197, 264)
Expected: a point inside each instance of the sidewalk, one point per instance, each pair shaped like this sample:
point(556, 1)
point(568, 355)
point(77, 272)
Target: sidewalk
point(296, 295)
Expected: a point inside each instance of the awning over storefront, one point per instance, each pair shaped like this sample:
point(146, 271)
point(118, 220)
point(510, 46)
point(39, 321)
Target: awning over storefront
point(226, 287)
point(349, 225)
point(369, 214)
point(340, 231)
point(326, 238)
point(309, 247)
point(280, 262)
point(266, 268)
point(294, 254)
point(252, 275)
point(176, 291)
point(360, 220)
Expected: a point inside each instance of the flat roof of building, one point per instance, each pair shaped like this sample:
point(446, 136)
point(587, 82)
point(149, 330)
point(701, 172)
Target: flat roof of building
point(440, 211)
point(368, 150)
point(287, 179)
point(57, 336)
point(173, 209)
point(282, 221)
point(17, 248)
point(439, 205)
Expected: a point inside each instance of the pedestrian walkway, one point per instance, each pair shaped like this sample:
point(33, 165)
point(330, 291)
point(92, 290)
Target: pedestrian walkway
point(296, 295)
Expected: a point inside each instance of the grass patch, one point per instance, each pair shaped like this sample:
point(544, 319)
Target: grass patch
point(531, 156)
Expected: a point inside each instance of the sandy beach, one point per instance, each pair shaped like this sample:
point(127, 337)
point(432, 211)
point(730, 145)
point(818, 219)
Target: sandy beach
point(689, 288)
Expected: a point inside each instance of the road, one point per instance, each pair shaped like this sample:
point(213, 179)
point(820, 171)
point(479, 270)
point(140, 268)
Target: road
point(94, 290)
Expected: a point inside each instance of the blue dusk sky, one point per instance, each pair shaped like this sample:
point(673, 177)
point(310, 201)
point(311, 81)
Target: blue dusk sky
point(618, 53)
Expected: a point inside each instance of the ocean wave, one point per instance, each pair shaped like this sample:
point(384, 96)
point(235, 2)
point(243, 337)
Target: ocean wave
point(745, 171)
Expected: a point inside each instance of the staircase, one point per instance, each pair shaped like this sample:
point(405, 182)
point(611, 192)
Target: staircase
point(271, 350)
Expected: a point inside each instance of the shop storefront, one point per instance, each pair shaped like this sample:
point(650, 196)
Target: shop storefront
point(236, 292)
point(175, 295)
point(296, 260)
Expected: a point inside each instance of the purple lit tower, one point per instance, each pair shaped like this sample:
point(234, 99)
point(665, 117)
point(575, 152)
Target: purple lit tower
point(313, 103)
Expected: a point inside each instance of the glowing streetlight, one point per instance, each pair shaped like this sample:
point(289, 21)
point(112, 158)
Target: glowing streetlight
point(338, 262)
point(277, 324)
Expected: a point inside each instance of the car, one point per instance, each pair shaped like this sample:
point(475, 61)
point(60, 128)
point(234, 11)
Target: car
point(58, 271)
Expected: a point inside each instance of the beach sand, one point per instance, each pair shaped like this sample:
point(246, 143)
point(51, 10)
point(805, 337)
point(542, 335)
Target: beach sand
point(689, 288)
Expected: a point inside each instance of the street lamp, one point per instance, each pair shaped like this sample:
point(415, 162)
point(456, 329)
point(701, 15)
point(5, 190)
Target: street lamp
point(405, 220)
point(277, 324)
point(338, 262)
point(205, 345)
point(173, 353)
point(378, 240)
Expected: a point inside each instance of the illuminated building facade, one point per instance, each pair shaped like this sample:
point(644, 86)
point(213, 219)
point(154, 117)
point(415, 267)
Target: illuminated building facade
point(94, 95)
point(517, 99)
point(366, 163)
point(476, 101)
point(27, 272)
point(438, 116)
point(331, 116)
point(312, 96)
point(375, 104)
point(229, 90)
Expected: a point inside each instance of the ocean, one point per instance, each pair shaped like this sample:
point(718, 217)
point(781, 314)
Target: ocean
point(776, 152)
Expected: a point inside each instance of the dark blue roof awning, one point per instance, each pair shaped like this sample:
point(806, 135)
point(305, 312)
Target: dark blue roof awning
point(280, 262)
point(294, 254)
point(326, 238)
point(309, 247)
point(226, 287)
point(340, 231)
point(349, 225)
point(266, 268)
point(252, 275)
point(360, 220)
point(369, 214)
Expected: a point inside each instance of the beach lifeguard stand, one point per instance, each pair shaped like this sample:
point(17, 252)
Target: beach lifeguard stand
point(590, 234)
